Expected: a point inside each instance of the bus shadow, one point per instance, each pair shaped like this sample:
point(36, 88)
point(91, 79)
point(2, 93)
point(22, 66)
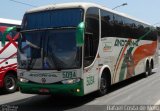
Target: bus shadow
point(128, 82)
point(51, 103)
point(2, 92)
point(61, 103)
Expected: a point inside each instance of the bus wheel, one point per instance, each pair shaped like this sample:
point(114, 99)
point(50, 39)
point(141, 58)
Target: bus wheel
point(148, 70)
point(10, 83)
point(103, 85)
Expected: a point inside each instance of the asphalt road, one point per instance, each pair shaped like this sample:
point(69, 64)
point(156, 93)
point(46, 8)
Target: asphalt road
point(135, 91)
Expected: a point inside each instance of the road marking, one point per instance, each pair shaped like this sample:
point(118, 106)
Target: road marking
point(157, 103)
point(155, 107)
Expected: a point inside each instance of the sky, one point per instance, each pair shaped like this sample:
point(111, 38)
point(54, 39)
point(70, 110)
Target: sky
point(145, 10)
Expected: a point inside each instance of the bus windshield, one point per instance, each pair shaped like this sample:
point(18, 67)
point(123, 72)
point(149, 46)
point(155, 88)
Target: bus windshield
point(50, 47)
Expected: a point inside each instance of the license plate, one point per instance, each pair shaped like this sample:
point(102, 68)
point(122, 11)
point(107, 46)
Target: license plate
point(44, 90)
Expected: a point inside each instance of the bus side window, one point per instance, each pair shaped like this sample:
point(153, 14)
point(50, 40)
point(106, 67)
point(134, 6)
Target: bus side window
point(91, 35)
point(88, 46)
point(88, 49)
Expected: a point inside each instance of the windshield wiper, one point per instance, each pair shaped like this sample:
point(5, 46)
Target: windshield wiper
point(32, 45)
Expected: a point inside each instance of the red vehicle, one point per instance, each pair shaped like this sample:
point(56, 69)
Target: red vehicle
point(8, 60)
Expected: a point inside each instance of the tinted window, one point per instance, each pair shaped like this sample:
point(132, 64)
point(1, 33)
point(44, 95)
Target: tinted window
point(118, 26)
point(113, 25)
point(91, 35)
point(106, 24)
point(49, 49)
point(53, 18)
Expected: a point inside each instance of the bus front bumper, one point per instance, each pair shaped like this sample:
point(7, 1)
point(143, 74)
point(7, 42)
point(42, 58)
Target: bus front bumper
point(75, 89)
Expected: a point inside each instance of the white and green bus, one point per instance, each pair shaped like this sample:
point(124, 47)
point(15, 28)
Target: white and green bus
point(79, 48)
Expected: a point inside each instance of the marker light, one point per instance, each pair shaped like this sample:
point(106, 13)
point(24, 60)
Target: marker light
point(78, 90)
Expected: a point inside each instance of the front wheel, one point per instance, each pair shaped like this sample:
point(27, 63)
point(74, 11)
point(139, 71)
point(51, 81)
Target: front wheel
point(10, 83)
point(103, 85)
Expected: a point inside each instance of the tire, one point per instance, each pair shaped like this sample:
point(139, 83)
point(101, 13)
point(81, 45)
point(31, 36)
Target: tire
point(103, 85)
point(148, 70)
point(10, 83)
point(151, 67)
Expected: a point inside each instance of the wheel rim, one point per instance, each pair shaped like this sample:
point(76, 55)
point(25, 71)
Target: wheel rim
point(10, 83)
point(147, 72)
point(103, 87)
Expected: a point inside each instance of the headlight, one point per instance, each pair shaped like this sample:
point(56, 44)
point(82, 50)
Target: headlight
point(71, 81)
point(23, 80)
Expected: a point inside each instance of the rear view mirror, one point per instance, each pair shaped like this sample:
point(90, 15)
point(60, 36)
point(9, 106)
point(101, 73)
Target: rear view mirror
point(80, 34)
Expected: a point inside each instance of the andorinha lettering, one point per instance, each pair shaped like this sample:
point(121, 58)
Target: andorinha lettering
point(130, 43)
point(43, 75)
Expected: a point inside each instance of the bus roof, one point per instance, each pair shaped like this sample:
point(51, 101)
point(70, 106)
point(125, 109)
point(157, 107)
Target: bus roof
point(10, 21)
point(84, 5)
